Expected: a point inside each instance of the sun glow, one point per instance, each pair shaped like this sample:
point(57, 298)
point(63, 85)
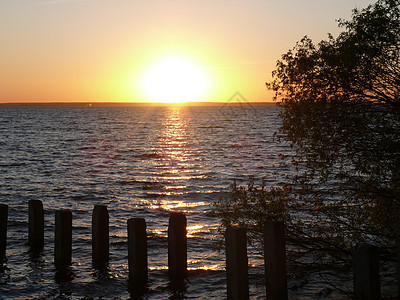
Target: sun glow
point(175, 80)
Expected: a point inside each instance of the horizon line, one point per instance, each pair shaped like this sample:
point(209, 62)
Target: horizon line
point(110, 104)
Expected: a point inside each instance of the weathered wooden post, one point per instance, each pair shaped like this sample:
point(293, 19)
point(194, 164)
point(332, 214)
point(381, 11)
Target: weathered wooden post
point(100, 235)
point(3, 229)
point(36, 224)
point(398, 262)
point(275, 260)
point(63, 239)
point(177, 247)
point(366, 273)
point(137, 252)
point(236, 263)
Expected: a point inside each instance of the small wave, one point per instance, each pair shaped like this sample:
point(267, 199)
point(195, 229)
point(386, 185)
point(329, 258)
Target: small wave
point(149, 185)
point(148, 155)
point(13, 164)
point(15, 223)
point(129, 182)
point(211, 127)
point(87, 148)
point(119, 243)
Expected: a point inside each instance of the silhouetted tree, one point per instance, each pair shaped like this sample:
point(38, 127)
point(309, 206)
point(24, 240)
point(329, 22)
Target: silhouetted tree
point(341, 114)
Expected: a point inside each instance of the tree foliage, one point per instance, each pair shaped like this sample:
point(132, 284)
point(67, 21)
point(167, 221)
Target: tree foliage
point(342, 110)
point(341, 113)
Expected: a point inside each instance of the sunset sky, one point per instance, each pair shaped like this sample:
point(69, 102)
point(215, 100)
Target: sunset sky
point(120, 50)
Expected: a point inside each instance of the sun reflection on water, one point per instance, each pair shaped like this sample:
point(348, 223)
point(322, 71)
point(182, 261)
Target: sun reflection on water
point(172, 205)
point(213, 267)
point(194, 229)
point(177, 165)
point(173, 150)
point(174, 142)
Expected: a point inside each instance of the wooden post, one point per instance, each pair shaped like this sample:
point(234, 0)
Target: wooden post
point(236, 264)
point(275, 261)
point(63, 239)
point(398, 263)
point(36, 224)
point(366, 273)
point(3, 229)
point(137, 252)
point(100, 235)
point(177, 247)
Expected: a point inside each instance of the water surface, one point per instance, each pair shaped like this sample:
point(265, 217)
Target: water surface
point(142, 162)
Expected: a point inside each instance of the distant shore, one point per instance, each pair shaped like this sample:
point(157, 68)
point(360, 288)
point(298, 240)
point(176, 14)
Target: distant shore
point(130, 104)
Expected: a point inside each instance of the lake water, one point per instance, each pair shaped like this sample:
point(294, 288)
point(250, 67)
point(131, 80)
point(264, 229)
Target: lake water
point(142, 162)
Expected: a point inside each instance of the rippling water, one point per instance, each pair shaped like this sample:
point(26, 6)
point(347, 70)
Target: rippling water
point(141, 162)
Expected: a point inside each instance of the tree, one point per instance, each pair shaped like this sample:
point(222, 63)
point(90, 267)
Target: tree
point(341, 113)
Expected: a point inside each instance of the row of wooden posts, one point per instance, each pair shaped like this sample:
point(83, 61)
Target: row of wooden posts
point(365, 260)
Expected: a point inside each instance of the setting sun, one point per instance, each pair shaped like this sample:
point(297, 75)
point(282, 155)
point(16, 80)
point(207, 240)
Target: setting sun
point(175, 80)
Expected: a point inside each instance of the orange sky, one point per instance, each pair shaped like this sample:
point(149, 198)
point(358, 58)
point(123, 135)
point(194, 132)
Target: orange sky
point(100, 50)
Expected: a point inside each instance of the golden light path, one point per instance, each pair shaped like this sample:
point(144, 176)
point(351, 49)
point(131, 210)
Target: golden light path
point(174, 159)
point(175, 80)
